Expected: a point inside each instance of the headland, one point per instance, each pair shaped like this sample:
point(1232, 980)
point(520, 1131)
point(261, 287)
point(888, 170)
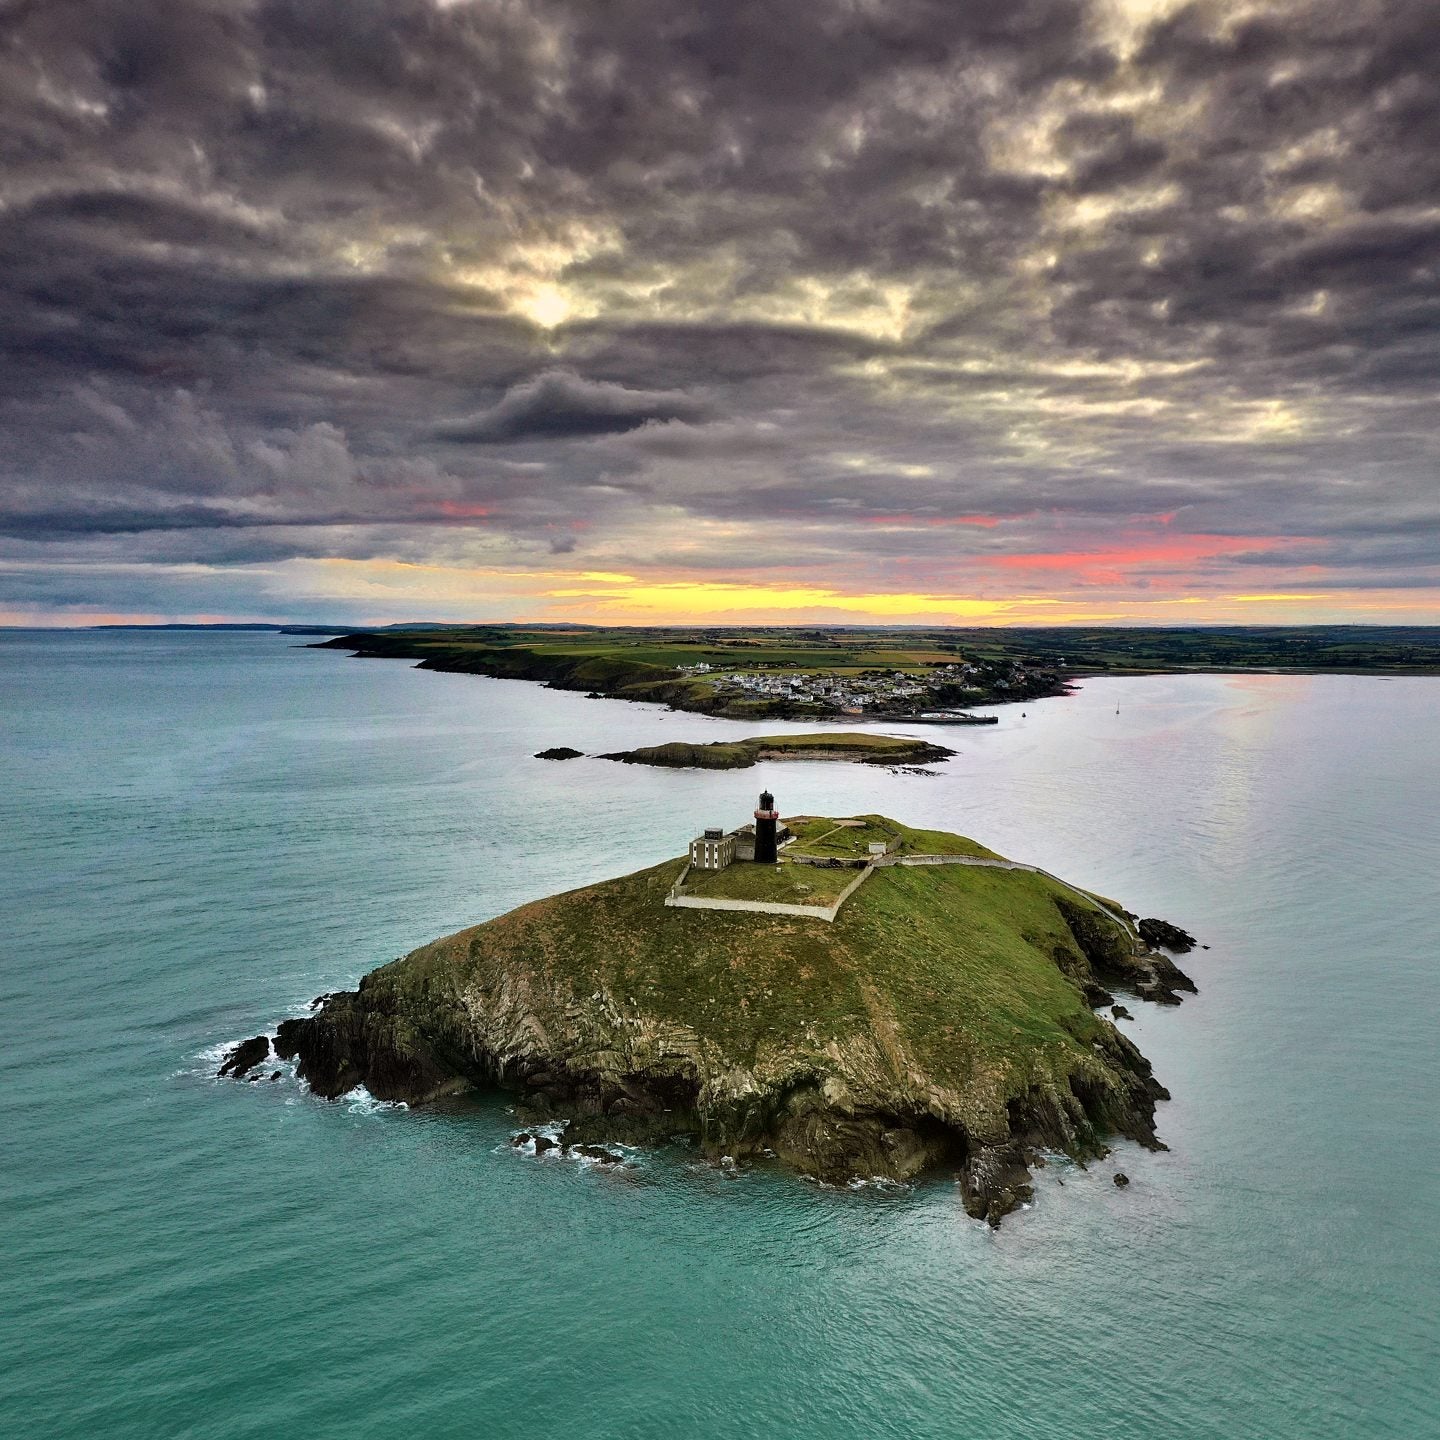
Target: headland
point(920, 675)
point(742, 675)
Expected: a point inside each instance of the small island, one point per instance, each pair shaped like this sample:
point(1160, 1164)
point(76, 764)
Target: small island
point(847, 997)
point(890, 750)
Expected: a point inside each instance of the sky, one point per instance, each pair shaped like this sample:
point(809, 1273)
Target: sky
point(648, 311)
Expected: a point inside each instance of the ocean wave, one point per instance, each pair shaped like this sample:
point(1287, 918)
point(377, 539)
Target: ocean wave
point(878, 1182)
point(522, 1142)
point(205, 1063)
point(552, 1130)
point(360, 1101)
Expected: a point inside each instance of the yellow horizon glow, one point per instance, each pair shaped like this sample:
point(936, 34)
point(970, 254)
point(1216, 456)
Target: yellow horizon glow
point(1283, 598)
point(404, 589)
point(383, 591)
point(721, 597)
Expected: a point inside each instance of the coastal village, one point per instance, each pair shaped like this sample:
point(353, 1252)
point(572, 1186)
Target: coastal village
point(872, 691)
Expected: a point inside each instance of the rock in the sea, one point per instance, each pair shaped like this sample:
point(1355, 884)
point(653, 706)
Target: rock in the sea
point(245, 1057)
point(1168, 937)
point(1121, 1179)
point(596, 1152)
point(274, 1075)
point(1121, 1013)
point(542, 1143)
point(993, 1182)
point(560, 752)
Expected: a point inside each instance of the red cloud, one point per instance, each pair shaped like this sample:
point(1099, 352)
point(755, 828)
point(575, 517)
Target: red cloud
point(1174, 550)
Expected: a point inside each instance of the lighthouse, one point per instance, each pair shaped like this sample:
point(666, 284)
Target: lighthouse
point(765, 820)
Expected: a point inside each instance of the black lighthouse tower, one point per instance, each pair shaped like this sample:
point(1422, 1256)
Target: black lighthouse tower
point(765, 820)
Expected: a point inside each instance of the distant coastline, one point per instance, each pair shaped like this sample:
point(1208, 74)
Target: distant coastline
point(271, 628)
point(853, 674)
point(838, 678)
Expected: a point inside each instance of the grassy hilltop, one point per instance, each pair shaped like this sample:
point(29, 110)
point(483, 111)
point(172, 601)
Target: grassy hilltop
point(944, 1018)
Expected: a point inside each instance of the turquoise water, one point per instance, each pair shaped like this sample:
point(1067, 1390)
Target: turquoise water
point(202, 832)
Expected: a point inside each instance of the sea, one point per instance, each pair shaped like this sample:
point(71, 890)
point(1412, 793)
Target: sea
point(201, 832)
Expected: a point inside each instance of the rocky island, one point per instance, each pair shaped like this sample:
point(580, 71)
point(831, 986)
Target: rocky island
point(941, 1016)
point(825, 745)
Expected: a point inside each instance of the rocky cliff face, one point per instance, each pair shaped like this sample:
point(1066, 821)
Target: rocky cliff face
point(941, 1021)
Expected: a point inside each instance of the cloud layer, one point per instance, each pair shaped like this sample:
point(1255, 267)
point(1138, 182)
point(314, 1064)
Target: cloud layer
point(1052, 309)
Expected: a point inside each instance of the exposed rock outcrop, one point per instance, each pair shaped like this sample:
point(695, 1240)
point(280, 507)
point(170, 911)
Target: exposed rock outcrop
point(1166, 936)
point(1116, 960)
point(245, 1057)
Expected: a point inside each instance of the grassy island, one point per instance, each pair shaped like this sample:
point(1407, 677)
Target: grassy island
point(945, 1018)
point(823, 745)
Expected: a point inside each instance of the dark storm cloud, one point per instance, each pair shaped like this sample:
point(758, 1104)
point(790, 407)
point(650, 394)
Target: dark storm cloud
point(559, 404)
point(386, 278)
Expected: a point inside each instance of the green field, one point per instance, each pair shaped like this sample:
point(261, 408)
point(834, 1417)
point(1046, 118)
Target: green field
point(787, 884)
point(850, 839)
point(840, 650)
point(841, 839)
point(838, 740)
